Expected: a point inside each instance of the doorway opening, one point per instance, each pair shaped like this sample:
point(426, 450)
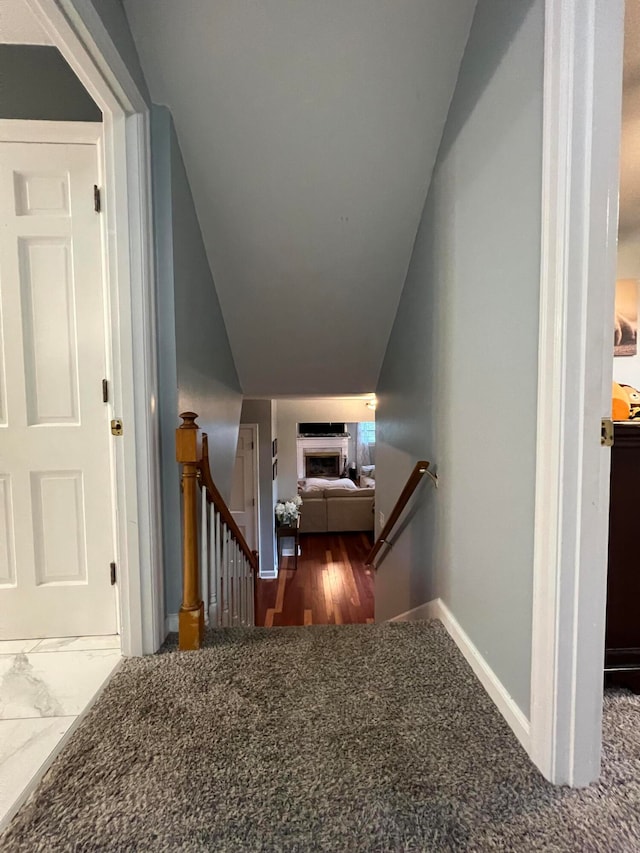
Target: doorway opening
point(76, 290)
point(60, 631)
point(125, 200)
point(316, 489)
point(245, 494)
point(57, 507)
point(622, 632)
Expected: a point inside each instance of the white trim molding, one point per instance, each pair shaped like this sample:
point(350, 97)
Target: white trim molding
point(72, 132)
point(269, 575)
point(430, 610)
point(581, 126)
point(80, 35)
point(437, 609)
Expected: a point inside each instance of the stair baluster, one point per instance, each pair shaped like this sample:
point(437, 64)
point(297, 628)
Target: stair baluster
point(204, 552)
point(222, 591)
point(214, 550)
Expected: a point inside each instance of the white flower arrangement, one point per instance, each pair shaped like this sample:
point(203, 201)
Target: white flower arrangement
point(288, 511)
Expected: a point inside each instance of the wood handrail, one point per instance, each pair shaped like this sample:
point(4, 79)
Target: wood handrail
point(214, 497)
point(420, 469)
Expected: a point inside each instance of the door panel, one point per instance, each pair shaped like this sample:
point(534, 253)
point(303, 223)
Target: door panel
point(56, 509)
point(7, 561)
point(57, 500)
point(244, 501)
point(50, 349)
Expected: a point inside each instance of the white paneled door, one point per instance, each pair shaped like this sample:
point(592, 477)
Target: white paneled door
point(56, 510)
point(244, 497)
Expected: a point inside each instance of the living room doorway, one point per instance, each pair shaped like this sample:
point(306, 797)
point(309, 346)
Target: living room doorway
point(318, 485)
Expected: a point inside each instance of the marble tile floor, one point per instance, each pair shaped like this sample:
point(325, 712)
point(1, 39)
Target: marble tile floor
point(46, 686)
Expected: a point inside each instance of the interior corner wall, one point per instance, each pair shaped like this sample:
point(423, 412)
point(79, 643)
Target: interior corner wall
point(261, 412)
point(312, 409)
point(458, 384)
point(37, 84)
point(196, 368)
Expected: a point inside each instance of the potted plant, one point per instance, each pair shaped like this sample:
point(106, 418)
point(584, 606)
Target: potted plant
point(287, 512)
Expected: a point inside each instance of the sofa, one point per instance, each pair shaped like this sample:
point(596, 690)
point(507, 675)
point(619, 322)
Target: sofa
point(337, 510)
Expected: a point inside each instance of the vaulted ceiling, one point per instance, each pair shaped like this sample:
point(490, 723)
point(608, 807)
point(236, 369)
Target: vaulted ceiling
point(309, 132)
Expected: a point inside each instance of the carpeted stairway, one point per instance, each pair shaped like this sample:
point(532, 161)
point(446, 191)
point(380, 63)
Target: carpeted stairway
point(339, 738)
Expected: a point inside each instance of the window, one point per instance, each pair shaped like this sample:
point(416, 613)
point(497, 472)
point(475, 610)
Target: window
point(368, 432)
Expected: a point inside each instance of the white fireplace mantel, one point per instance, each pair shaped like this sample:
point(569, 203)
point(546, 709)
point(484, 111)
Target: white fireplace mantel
point(322, 445)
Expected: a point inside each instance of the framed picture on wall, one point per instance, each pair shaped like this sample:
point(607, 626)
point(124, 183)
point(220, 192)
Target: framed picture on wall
point(625, 333)
point(275, 469)
point(274, 448)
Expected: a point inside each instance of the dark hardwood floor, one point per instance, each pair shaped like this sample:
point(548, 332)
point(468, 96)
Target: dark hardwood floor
point(331, 586)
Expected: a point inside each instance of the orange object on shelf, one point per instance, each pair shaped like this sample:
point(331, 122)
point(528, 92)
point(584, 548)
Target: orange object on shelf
point(621, 406)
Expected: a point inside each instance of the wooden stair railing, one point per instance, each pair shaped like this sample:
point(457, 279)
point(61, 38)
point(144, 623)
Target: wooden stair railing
point(228, 574)
point(415, 478)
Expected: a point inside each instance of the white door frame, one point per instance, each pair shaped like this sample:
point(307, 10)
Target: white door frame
point(581, 138)
point(78, 32)
point(256, 483)
point(256, 490)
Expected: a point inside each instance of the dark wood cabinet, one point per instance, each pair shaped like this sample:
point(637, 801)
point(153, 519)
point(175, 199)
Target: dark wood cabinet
point(622, 638)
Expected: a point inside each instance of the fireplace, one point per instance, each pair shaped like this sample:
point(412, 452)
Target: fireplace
point(323, 456)
point(318, 463)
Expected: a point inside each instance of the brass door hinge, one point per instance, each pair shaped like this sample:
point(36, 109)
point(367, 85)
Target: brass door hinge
point(606, 432)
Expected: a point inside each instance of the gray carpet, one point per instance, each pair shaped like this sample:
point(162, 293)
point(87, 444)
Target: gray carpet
point(347, 738)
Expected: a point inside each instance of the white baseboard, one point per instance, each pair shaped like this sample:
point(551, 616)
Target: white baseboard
point(514, 716)
point(424, 611)
point(268, 572)
point(503, 701)
point(171, 624)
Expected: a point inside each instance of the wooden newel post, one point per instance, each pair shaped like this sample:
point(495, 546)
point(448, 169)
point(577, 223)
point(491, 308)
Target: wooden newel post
point(188, 454)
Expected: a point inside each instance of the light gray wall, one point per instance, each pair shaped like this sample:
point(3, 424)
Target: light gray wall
point(197, 372)
point(458, 383)
point(207, 378)
point(261, 412)
point(36, 83)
